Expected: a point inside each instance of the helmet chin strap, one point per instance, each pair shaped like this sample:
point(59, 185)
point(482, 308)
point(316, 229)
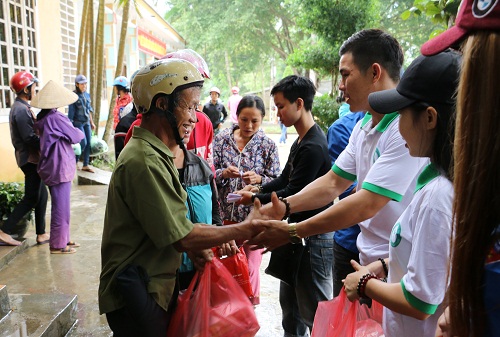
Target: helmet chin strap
point(28, 93)
point(173, 123)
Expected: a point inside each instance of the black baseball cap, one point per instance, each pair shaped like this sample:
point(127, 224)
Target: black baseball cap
point(429, 79)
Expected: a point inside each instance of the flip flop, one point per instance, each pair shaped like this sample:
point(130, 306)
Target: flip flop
point(87, 169)
point(42, 242)
point(66, 250)
point(11, 242)
point(74, 244)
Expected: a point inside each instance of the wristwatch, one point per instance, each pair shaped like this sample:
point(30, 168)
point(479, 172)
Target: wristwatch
point(294, 237)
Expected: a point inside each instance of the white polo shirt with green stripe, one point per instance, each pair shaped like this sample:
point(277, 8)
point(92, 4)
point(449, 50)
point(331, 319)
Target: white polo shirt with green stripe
point(377, 158)
point(418, 254)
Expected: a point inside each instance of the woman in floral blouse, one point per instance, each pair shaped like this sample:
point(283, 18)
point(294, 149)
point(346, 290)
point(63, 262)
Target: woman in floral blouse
point(244, 155)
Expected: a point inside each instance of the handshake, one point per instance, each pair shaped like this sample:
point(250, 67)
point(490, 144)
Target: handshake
point(268, 231)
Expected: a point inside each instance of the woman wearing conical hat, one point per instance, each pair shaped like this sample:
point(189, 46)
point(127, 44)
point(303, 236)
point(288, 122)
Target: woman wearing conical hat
point(57, 160)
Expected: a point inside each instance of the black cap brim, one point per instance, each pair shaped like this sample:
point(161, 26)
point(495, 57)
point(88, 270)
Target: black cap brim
point(388, 101)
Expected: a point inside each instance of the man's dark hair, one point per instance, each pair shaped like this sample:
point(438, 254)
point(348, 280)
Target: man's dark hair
point(371, 46)
point(293, 87)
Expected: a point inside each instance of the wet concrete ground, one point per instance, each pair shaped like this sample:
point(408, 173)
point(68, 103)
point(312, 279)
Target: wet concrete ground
point(36, 271)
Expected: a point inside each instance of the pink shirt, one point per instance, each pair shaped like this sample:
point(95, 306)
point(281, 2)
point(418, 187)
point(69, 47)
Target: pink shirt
point(232, 104)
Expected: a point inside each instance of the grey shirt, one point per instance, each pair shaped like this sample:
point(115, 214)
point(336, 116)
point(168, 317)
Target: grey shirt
point(24, 139)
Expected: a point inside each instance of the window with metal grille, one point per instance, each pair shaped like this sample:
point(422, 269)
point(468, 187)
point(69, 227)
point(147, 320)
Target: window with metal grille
point(18, 45)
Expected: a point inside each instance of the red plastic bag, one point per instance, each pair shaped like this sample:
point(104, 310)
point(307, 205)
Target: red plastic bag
point(216, 308)
point(237, 265)
point(342, 318)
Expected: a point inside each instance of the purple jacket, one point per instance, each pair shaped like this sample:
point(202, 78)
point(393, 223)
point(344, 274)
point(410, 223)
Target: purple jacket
point(57, 159)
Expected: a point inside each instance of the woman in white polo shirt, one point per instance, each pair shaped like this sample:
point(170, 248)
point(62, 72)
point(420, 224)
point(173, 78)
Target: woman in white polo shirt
point(420, 240)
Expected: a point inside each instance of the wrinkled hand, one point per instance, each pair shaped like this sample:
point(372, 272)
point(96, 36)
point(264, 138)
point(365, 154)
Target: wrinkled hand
point(200, 257)
point(352, 280)
point(230, 248)
point(250, 177)
point(274, 234)
point(230, 172)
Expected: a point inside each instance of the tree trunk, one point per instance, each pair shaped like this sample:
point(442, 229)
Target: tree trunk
point(100, 64)
point(92, 57)
point(119, 66)
point(81, 41)
point(86, 48)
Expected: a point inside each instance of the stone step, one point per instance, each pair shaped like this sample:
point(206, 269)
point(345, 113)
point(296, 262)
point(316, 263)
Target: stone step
point(99, 177)
point(7, 253)
point(39, 315)
point(4, 302)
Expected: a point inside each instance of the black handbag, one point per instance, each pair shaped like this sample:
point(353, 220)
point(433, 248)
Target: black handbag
point(284, 263)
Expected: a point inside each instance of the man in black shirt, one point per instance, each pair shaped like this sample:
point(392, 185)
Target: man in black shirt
point(215, 110)
point(310, 266)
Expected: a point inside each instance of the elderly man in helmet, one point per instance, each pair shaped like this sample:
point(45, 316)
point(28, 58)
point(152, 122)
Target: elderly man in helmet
point(27, 149)
point(215, 110)
point(145, 224)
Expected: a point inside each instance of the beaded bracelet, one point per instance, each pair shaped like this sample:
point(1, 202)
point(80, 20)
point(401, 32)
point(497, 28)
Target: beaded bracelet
point(384, 265)
point(287, 208)
point(362, 284)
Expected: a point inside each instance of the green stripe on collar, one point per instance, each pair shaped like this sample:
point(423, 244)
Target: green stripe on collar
point(365, 120)
point(428, 174)
point(418, 304)
point(384, 122)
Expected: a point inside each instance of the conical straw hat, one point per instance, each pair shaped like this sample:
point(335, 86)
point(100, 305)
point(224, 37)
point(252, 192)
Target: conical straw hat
point(53, 96)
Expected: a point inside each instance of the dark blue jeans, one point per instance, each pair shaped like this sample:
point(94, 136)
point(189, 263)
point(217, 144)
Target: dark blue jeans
point(314, 284)
point(85, 142)
point(342, 266)
point(35, 196)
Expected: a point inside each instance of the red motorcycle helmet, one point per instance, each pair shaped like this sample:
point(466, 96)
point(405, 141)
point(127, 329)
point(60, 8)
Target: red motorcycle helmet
point(21, 80)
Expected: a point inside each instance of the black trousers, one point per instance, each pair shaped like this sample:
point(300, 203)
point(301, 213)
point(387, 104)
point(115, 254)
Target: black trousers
point(152, 321)
point(341, 266)
point(35, 196)
point(141, 316)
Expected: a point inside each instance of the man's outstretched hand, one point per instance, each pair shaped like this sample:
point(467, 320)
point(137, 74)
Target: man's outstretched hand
point(274, 234)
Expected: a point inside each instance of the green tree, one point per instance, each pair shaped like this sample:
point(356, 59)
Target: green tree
point(235, 38)
point(325, 111)
point(330, 23)
point(441, 12)
point(402, 20)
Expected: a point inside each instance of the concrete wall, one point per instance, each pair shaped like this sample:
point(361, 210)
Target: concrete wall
point(9, 171)
point(49, 36)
